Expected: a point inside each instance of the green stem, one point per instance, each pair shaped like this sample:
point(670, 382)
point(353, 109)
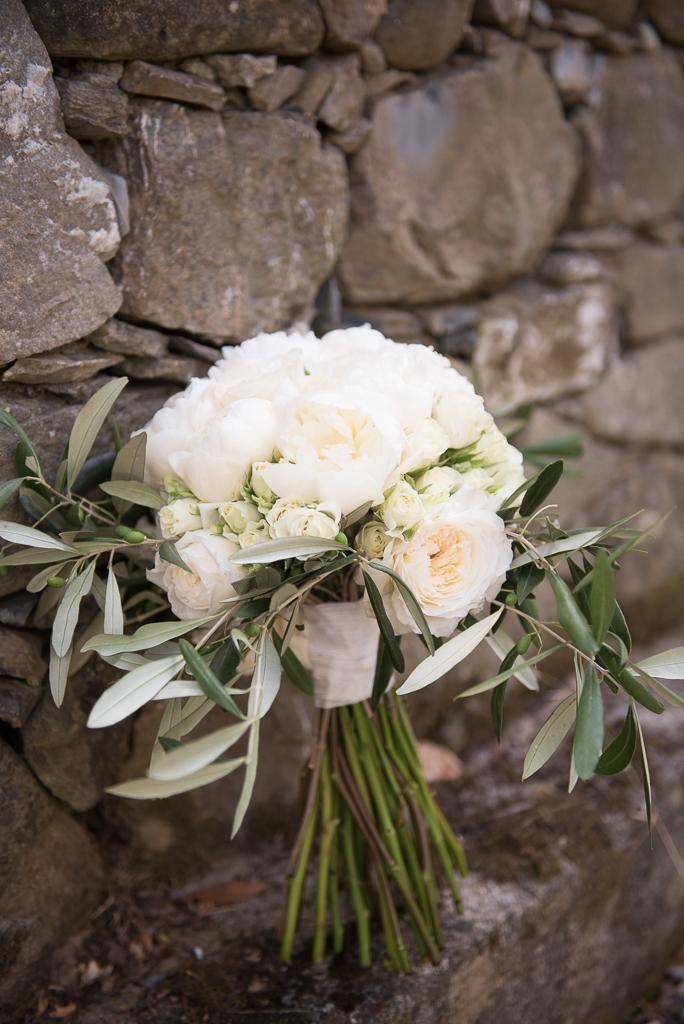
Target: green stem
point(356, 888)
point(296, 885)
point(329, 825)
point(334, 879)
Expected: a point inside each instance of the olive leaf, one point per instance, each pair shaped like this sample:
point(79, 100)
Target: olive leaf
point(88, 424)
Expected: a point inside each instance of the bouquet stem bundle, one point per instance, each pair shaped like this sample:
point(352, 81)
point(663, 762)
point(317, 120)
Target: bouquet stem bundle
point(380, 834)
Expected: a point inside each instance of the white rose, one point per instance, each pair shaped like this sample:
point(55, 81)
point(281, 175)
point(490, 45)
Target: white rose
point(237, 514)
point(260, 491)
point(215, 463)
point(502, 462)
point(437, 484)
point(455, 561)
point(286, 520)
point(179, 516)
point(254, 533)
point(462, 415)
point(371, 540)
point(210, 580)
point(425, 441)
point(335, 446)
point(402, 509)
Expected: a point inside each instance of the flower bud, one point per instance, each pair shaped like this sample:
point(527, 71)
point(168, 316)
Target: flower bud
point(179, 516)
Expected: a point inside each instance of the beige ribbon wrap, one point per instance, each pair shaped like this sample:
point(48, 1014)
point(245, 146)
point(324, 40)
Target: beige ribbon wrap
point(340, 648)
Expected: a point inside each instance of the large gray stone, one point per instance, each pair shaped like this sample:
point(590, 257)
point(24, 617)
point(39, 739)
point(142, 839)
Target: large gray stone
point(633, 132)
point(461, 184)
point(652, 280)
point(614, 13)
point(93, 105)
point(349, 22)
point(535, 343)
point(151, 80)
point(127, 29)
point(51, 878)
point(59, 221)
point(639, 399)
point(419, 34)
point(668, 18)
point(235, 219)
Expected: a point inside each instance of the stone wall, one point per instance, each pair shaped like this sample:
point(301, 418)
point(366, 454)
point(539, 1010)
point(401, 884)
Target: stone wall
point(503, 180)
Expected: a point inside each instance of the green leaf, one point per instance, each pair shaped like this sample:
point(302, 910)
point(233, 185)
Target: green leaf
point(645, 774)
point(129, 464)
point(191, 757)
point(666, 665)
point(409, 599)
point(96, 469)
point(527, 580)
point(602, 597)
point(356, 515)
point(168, 553)
point(636, 689)
point(618, 754)
point(156, 789)
point(383, 673)
point(573, 542)
point(29, 537)
point(209, 682)
point(113, 612)
point(384, 624)
point(225, 662)
point(37, 556)
point(285, 547)
point(134, 492)
point(569, 445)
point(570, 616)
point(550, 736)
point(266, 678)
point(497, 709)
point(88, 423)
point(448, 655)
point(500, 677)
point(248, 781)
point(542, 485)
point(150, 635)
point(9, 488)
point(620, 628)
point(667, 695)
point(133, 690)
point(7, 420)
point(68, 610)
point(501, 643)
point(58, 674)
point(586, 749)
point(180, 688)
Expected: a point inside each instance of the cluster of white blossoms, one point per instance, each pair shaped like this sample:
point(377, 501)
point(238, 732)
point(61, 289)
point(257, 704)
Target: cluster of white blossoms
point(290, 433)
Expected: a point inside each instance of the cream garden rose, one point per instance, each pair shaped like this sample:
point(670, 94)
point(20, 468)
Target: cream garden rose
point(286, 520)
point(455, 562)
point(371, 540)
point(209, 582)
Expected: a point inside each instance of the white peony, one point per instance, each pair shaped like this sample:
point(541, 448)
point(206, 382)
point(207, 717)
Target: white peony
point(286, 520)
point(213, 465)
point(335, 446)
point(179, 516)
point(401, 510)
point(210, 580)
point(456, 560)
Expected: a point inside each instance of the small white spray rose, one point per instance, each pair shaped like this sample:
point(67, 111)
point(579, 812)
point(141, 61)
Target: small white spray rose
point(371, 540)
point(321, 520)
point(179, 516)
point(260, 491)
point(237, 514)
point(254, 533)
point(437, 484)
point(425, 442)
point(402, 509)
point(210, 580)
point(462, 415)
point(502, 462)
point(455, 561)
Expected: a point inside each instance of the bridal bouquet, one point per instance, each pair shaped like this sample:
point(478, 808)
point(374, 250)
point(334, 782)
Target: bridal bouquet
point(294, 514)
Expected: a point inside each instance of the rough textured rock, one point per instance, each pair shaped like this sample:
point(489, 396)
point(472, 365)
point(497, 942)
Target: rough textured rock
point(178, 369)
point(20, 657)
point(633, 134)
point(614, 13)
point(146, 29)
point(271, 92)
point(93, 105)
point(349, 22)
point(623, 407)
point(668, 18)
point(241, 69)
point(419, 34)
point(572, 268)
point(73, 762)
point(461, 184)
point(17, 701)
point(343, 104)
point(54, 286)
point(571, 68)
point(129, 339)
point(235, 220)
point(652, 280)
point(351, 140)
point(61, 366)
point(150, 80)
point(534, 344)
point(509, 15)
point(50, 876)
